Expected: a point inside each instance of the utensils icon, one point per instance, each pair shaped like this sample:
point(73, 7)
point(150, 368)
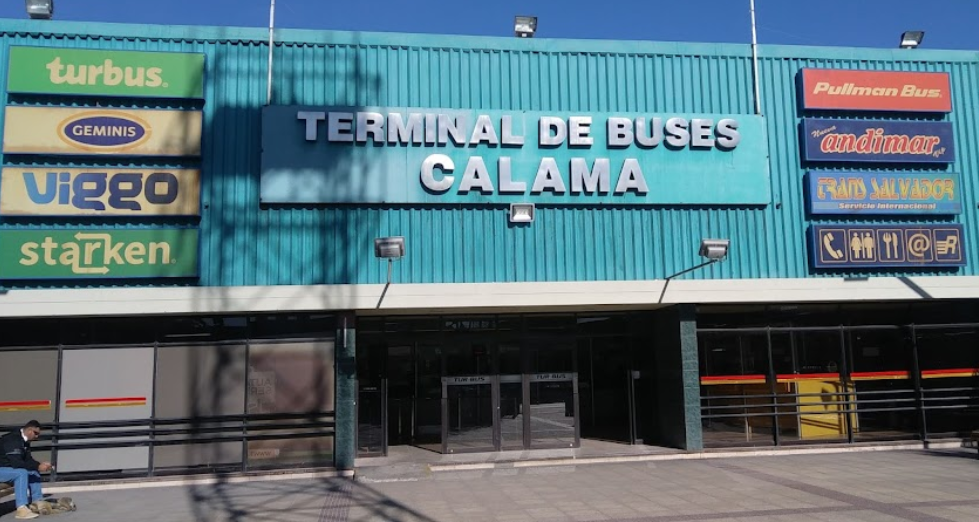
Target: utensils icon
point(890, 245)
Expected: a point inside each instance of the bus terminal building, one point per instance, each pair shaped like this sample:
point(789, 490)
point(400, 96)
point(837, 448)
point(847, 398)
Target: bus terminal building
point(474, 244)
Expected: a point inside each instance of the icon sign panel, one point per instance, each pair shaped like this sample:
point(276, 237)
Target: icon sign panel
point(840, 246)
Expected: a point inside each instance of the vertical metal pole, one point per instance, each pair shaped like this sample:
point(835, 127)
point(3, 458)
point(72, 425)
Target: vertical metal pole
point(244, 419)
point(156, 355)
point(268, 99)
point(850, 407)
point(919, 393)
point(57, 413)
point(773, 387)
point(754, 60)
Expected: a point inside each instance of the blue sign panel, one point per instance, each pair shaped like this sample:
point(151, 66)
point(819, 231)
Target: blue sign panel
point(409, 155)
point(884, 193)
point(849, 246)
point(877, 141)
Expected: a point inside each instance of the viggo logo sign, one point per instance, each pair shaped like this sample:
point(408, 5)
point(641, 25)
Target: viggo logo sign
point(46, 70)
point(104, 253)
point(54, 191)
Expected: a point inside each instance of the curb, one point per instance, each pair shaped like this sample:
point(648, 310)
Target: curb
point(700, 455)
point(115, 485)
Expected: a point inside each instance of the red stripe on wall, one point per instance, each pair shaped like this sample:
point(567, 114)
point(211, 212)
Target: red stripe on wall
point(958, 371)
point(732, 378)
point(15, 404)
point(806, 376)
point(896, 374)
point(106, 400)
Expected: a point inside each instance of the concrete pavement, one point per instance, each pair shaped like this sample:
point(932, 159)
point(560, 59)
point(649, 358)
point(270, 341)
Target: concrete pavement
point(871, 486)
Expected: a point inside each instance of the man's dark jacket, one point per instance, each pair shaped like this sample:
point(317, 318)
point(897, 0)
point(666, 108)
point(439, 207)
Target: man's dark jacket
point(16, 452)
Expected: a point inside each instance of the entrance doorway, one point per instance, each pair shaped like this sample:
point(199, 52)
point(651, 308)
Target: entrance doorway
point(496, 383)
point(509, 412)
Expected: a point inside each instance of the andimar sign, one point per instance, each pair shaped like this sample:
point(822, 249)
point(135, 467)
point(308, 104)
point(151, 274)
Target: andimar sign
point(98, 253)
point(51, 70)
point(877, 141)
point(102, 192)
point(417, 155)
point(876, 90)
point(87, 131)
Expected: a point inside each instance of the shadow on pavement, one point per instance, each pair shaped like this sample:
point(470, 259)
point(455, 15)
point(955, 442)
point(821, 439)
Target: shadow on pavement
point(326, 500)
point(961, 453)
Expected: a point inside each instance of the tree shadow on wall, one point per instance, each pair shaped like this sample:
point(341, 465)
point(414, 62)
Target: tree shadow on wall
point(288, 384)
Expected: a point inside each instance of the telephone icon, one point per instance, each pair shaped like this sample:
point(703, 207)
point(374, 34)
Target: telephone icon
point(828, 246)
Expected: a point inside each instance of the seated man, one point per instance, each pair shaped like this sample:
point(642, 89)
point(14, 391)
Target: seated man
point(17, 466)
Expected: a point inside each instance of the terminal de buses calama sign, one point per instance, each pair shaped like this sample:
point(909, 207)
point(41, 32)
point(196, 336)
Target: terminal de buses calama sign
point(437, 155)
point(97, 72)
point(876, 90)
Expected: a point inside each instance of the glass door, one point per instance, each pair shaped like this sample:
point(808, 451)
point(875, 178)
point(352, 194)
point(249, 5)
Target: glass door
point(469, 414)
point(551, 398)
point(512, 418)
point(553, 410)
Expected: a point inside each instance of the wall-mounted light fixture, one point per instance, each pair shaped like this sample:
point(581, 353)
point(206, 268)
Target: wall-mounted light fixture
point(714, 249)
point(389, 247)
point(40, 9)
point(911, 39)
point(521, 212)
point(525, 26)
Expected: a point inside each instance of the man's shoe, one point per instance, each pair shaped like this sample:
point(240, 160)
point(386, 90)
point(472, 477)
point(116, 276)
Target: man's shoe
point(25, 513)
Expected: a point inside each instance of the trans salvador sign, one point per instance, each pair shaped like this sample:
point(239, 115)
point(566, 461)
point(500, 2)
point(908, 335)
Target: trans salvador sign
point(407, 155)
point(884, 193)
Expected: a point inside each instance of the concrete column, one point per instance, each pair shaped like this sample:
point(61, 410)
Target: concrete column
point(690, 370)
point(345, 442)
point(677, 385)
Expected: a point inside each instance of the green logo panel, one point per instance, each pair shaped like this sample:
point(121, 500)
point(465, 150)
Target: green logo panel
point(98, 253)
point(48, 70)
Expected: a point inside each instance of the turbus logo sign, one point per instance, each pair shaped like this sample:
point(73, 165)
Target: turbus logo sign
point(105, 74)
point(104, 131)
point(876, 90)
point(59, 254)
point(46, 70)
point(52, 191)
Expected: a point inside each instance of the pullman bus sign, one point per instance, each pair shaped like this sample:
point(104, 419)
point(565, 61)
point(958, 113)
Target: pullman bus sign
point(400, 155)
point(876, 90)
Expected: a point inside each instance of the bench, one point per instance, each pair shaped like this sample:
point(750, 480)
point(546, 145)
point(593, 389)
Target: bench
point(6, 488)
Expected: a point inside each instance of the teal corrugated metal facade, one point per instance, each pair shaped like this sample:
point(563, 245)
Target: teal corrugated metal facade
point(243, 243)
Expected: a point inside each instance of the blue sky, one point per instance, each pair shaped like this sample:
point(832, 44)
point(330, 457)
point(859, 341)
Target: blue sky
point(948, 24)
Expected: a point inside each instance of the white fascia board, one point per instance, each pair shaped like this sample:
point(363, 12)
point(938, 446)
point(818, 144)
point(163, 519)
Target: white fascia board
point(427, 298)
